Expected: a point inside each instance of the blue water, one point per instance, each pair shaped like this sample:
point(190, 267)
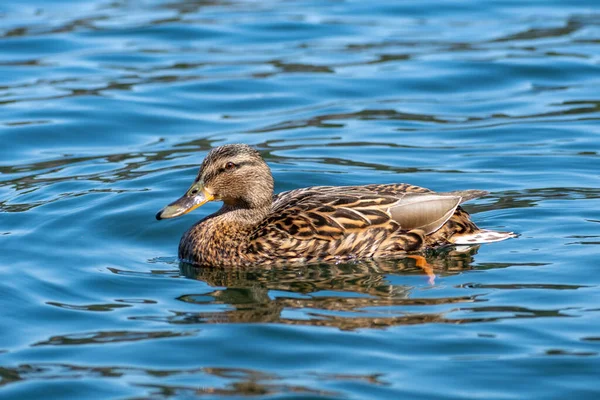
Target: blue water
point(108, 107)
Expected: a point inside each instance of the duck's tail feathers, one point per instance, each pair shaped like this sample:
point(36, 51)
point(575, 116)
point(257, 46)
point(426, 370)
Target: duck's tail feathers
point(482, 236)
point(466, 195)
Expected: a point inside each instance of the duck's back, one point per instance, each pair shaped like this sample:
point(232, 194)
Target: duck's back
point(343, 222)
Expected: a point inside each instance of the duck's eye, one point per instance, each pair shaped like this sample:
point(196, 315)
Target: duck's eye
point(229, 166)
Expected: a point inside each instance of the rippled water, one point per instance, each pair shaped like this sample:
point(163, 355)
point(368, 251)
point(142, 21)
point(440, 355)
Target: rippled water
point(108, 107)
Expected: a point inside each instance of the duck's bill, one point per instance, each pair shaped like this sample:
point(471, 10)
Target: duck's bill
point(185, 203)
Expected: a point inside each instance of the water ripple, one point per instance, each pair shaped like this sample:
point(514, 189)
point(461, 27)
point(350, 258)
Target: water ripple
point(108, 107)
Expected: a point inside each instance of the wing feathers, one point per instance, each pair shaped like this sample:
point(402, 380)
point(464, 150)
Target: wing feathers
point(334, 212)
point(424, 211)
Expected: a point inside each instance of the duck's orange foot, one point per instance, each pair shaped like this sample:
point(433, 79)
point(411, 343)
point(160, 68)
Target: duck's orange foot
point(422, 263)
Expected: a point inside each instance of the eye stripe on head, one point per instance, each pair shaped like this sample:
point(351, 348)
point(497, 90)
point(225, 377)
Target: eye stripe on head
point(244, 163)
point(218, 159)
point(237, 165)
point(211, 174)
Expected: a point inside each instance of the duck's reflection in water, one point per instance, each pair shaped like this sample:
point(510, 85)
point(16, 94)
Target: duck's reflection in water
point(347, 296)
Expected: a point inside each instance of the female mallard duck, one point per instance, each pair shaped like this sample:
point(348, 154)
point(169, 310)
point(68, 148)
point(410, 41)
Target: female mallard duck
point(320, 223)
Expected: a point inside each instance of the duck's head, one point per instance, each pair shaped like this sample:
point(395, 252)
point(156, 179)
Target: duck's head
point(235, 174)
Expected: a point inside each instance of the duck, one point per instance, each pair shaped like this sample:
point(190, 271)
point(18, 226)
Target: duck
point(256, 227)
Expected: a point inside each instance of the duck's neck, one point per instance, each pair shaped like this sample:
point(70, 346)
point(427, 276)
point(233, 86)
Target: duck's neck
point(241, 216)
point(221, 238)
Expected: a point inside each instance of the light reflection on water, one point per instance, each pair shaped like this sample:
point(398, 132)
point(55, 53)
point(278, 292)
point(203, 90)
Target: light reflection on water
point(107, 109)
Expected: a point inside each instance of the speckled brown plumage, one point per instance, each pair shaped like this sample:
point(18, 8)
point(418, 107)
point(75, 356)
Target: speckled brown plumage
point(322, 223)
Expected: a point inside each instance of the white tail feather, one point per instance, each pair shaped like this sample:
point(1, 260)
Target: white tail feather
point(482, 236)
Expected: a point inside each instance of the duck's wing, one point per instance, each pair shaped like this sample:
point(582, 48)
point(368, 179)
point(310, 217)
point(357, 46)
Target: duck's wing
point(283, 200)
point(330, 212)
point(424, 211)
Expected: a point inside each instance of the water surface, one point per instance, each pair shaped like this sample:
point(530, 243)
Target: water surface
point(108, 107)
